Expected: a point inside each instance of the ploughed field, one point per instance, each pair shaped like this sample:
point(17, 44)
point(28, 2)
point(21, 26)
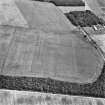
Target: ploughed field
point(64, 3)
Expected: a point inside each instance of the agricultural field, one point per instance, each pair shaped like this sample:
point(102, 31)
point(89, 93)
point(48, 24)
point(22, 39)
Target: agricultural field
point(67, 9)
point(8, 97)
point(64, 2)
point(33, 53)
point(48, 55)
point(48, 48)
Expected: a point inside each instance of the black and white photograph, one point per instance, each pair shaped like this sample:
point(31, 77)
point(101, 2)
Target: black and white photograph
point(52, 52)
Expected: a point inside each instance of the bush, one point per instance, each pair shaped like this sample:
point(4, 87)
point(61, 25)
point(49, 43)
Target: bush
point(84, 18)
